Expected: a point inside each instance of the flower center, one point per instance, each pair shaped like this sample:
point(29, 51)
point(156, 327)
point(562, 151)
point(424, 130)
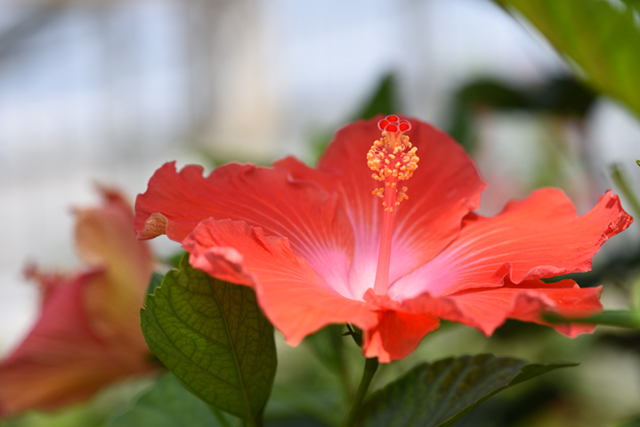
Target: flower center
point(392, 159)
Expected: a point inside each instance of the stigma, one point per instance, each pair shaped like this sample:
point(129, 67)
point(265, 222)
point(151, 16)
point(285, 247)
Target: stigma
point(392, 159)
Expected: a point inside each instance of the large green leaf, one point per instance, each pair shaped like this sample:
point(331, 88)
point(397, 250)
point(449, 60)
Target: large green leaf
point(213, 337)
point(167, 404)
point(600, 39)
point(440, 393)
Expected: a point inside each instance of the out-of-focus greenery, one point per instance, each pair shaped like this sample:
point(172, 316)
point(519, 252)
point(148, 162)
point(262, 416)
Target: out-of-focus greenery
point(167, 404)
point(439, 394)
point(598, 38)
point(561, 95)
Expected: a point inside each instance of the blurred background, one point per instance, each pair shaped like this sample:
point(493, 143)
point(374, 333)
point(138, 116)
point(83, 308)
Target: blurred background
point(107, 91)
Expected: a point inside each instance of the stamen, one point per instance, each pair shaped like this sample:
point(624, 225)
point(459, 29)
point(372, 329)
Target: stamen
point(392, 158)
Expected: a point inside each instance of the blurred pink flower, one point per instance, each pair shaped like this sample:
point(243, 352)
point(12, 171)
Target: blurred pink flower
point(88, 333)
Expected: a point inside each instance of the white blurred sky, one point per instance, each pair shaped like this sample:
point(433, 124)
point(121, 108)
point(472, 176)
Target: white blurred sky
point(107, 91)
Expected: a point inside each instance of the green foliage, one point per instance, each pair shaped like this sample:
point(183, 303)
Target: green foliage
point(558, 95)
point(167, 404)
point(94, 412)
point(214, 338)
point(174, 259)
point(630, 423)
point(328, 344)
point(599, 38)
point(440, 393)
point(154, 282)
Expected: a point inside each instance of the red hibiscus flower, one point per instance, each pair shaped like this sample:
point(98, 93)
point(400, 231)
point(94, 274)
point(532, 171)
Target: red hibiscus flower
point(88, 333)
point(319, 247)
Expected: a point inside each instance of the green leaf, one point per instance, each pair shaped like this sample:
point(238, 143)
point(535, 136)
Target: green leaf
point(440, 393)
point(621, 318)
point(635, 422)
point(154, 282)
point(214, 338)
point(599, 38)
point(174, 259)
point(167, 404)
point(328, 346)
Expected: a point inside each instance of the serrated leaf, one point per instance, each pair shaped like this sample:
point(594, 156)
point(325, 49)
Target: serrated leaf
point(166, 404)
point(154, 282)
point(439, 394)
point(214, 338)
point(600, 38)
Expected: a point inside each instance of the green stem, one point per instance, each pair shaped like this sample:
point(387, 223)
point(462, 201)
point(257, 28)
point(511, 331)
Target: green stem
point(370, 367)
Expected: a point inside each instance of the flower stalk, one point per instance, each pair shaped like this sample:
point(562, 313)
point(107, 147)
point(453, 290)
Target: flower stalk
point(370, 368)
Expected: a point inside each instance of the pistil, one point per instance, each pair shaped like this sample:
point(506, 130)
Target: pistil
point(392, 159)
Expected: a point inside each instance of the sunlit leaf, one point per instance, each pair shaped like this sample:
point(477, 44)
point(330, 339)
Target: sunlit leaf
point(599, 38)
point(214, 338)
point(440, 393)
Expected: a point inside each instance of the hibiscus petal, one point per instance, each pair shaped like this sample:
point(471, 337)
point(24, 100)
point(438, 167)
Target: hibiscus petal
point(105, 239)
point(88, 333)
point(397, 334)
point(443, 189)
point(294, 298)
point(62, 360)
point(488, 308)
point(540, 236)
point(303, 212)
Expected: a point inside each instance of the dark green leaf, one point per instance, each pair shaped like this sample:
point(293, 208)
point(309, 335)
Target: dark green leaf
point(154, 282)
point(167, 404)
point(440, 393)
point(328, 345)
point(600, 38)
point(213, 337)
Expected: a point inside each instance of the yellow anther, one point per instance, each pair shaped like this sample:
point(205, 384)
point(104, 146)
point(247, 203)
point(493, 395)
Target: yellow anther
point(392, 158)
